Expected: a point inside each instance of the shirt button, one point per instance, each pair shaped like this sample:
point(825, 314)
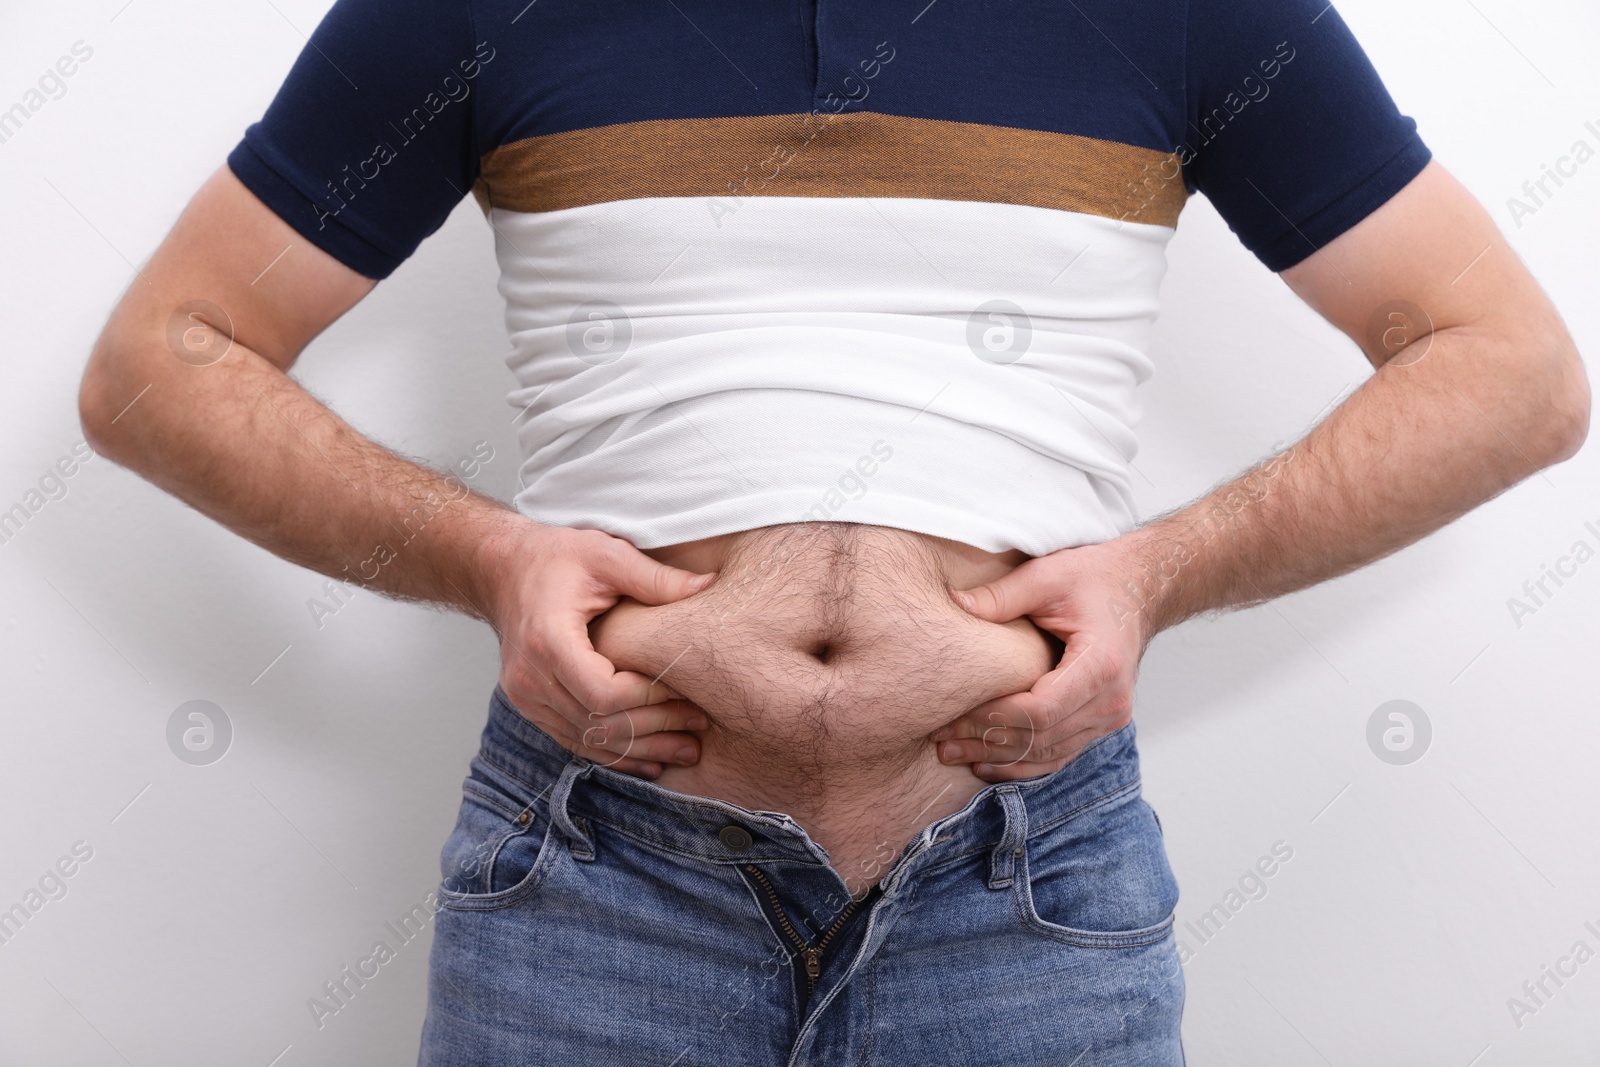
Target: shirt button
point(736, 838)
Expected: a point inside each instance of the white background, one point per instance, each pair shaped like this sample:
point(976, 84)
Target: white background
point(1419, 898)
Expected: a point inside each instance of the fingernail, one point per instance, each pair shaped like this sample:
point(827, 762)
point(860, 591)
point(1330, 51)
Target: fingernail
point(701, 582)
point(949, 752)
point(651, 770)
point(944, 735)
point(686, 754)
point(963, 599)
point(981, 769)
point(699, 722)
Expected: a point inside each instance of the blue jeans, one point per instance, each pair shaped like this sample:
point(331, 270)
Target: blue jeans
point(589, 917)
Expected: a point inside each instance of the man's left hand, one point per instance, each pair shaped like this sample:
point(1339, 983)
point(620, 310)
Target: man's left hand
point(1081, 596)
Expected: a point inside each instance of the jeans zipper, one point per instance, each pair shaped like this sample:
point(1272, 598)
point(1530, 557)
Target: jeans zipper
point(811, 954)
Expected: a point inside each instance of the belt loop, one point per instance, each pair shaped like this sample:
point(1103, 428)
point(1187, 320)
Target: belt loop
point(1002, 861)
point(575, 830)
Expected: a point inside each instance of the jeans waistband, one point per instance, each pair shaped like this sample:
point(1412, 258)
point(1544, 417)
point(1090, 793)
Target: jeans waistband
point(581, 793)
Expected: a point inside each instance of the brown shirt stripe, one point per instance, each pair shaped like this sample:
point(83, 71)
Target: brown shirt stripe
point(853, 154)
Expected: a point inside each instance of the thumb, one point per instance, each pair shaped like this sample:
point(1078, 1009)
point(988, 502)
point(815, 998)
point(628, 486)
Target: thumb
point(653, 583)
point(1006, 598)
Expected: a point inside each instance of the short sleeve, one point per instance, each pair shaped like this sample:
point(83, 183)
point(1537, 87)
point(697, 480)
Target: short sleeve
point(1291, 134)
point(369, 143)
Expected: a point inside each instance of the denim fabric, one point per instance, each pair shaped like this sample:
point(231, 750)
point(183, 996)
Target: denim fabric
point(589, 917)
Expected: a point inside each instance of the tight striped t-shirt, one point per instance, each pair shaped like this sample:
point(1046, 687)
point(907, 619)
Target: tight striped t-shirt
point(854, 260)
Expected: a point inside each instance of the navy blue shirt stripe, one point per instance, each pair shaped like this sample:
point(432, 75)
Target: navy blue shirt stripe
point(1272, 107)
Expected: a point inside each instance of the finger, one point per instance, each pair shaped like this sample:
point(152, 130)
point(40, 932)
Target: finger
point(608, 747)
point(554, 710)
point(1061, 752)
point(1055, 755)
point(592, 680)
point(638, 768)
point(569, 734)
point(634, 690)
point(1032, 730)
point(623, 753)
point(1010, 597)
point(1011, 772)
point(529, 685)
point(656, 718)
point(635, 574)
point(961, 751)
point(1012, 710)
point(1076, 671)
point(979, 750)
point(1055, 695)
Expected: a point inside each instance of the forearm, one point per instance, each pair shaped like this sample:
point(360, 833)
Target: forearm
point(1419, 444)
point(243, 443)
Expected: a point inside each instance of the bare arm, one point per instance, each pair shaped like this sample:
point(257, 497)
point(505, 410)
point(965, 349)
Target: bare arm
point(1478, 385)
point(198, 400)
point(241, 441)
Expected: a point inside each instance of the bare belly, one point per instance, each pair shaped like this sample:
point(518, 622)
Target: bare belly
point(824, 655)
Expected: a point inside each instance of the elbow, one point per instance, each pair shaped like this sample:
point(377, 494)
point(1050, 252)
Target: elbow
point(101, 402)
point(1568, 405)
point(91, 402)
point(1577, 431)
point(92, 417)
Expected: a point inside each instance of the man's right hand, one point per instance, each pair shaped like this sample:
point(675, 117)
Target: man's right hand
point(547, 583)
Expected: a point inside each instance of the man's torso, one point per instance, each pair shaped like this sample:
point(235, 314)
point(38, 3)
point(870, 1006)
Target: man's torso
point(824, 655)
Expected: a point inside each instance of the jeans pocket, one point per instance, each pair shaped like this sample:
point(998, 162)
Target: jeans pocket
point(1100, 880)
point(501, 847)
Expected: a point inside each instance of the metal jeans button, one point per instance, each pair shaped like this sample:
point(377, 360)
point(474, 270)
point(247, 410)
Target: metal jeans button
point(736, 838)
